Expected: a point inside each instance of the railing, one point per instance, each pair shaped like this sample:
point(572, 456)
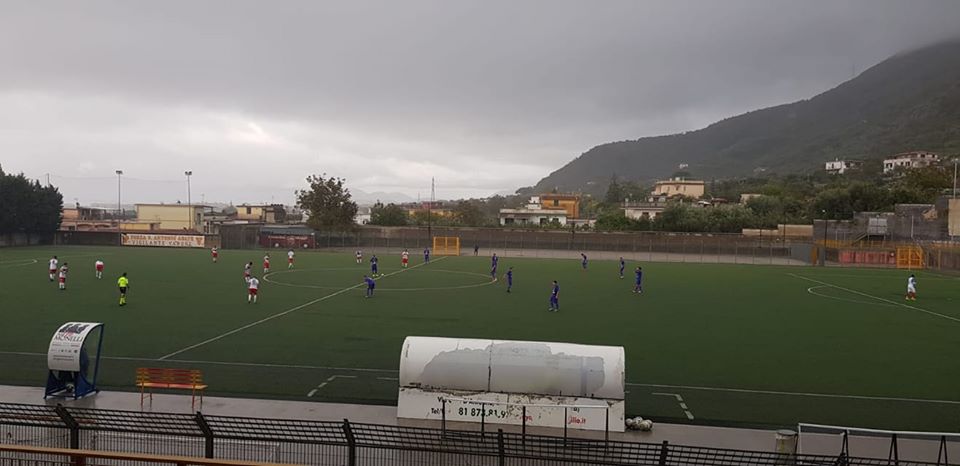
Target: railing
point(47, 456)
point(351, 444)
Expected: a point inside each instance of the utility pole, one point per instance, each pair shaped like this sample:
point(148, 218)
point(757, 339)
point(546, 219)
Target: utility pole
point(826, 223)
point(433, 196)
point(189, 204)
point(955, 160)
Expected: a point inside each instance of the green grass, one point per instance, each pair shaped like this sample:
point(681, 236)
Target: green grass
point(700, 330)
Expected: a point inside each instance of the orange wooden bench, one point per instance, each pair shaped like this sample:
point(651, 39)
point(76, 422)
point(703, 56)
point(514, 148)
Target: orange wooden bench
point(177, 379)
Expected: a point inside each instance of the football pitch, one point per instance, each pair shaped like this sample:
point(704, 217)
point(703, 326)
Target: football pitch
point(705, 343)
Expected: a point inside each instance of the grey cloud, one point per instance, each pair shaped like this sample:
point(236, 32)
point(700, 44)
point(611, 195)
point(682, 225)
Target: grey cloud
point(533, 82)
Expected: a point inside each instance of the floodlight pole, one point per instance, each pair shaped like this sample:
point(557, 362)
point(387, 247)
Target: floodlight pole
point(189, 205)
point(119, 209)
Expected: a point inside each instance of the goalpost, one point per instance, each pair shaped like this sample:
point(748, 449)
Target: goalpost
point(446, 245)
point(895, 445)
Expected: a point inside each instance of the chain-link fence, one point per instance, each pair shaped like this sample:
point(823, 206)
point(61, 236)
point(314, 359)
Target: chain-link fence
point(646, 246)
point(346, 443)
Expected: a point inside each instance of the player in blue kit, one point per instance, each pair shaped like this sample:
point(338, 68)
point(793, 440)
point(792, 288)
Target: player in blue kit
point(426, 255)
point(509, 279)
point(374, 265)
point(370, 286)
point(583, 261)
point(494, 261)
point(555, 298)
point(622, 266)
point(638, 287)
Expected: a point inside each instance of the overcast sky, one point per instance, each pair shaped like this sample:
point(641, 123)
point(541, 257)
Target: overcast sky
point(486, 96)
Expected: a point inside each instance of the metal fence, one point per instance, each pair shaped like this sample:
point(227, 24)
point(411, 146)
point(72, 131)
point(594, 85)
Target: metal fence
point(346, 443)
point(644, 246)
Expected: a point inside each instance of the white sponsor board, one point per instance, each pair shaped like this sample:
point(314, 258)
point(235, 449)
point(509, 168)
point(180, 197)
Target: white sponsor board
point(544, 376)
point(170, 241)
point(65, 345)
point(507, 408)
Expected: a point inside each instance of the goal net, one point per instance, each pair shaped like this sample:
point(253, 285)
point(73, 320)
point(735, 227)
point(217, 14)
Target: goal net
point(893, 445)
point(446, 245)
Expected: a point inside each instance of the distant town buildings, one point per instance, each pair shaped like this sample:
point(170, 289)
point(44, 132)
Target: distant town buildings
point(86, 218)
point(266, 213)
point(839, 167)
point(167, 217)
point(544, 209)
point(910, 160)
point(569, 203)
point(643, 210)
point(679, 187)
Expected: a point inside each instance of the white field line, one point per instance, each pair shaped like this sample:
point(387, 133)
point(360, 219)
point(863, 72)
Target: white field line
point(361, 369)
point(679, 400)
point(815, 395)
point(279, 314)
point(937, 314)
point(837, 298)
point(220, 363)
point(22, 263)
point(329, 379)
point(437, 288)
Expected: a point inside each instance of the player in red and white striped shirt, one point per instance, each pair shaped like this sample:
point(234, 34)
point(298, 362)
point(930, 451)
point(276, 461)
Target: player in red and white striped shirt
point(253, 286)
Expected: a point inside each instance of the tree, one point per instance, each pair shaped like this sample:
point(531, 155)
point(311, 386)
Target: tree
point(327, 203)
point(390, 215)
point(469, 213)
point(614, 194)
point(614, 220)
point(28, 207)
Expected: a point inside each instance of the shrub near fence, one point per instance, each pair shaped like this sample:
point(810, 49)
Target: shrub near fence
point(346, 443)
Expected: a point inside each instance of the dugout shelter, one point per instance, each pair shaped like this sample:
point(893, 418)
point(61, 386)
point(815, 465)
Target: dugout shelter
point(73, 360)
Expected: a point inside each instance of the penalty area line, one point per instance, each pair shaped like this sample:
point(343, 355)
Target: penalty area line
point(279, 314)
point(937, 314)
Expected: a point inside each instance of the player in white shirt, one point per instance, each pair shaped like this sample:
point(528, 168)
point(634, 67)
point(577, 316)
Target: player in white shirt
point(912, 288)
point(54, 265)
point(63, 277)
point(98, 266)
point(247, 271)
point(253, 286)
point(359, 256)
point(266, 264)
point(404, 258)
point(290, 259)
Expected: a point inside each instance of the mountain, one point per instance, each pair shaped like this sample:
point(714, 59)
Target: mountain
point(910, 101)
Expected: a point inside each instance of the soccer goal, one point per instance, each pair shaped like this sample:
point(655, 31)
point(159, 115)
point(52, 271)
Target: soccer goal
point(446, 245)
point(894, 445)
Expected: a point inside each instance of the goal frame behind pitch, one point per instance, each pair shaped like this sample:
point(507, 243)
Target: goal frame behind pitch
point(446, 246)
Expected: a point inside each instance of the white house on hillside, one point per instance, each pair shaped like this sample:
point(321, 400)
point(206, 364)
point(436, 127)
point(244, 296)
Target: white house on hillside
point(910, 160)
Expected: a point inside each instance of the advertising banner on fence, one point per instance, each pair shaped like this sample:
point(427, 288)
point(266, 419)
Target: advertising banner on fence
point(66, 344)
point(170, 241)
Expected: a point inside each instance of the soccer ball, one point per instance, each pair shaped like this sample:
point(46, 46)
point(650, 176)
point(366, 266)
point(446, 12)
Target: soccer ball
point(645, 425)
point(631, 423)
